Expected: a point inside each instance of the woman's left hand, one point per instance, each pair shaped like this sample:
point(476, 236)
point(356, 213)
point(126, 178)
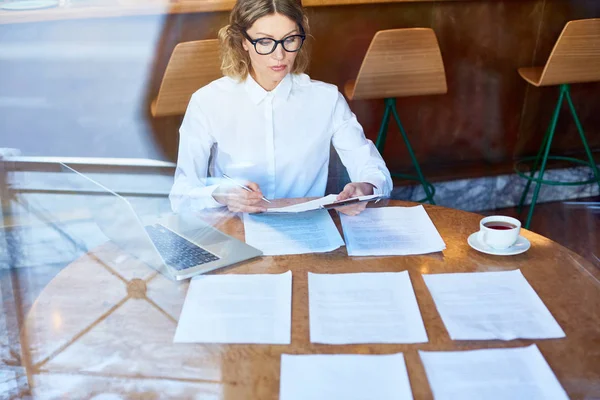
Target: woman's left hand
point(354, 189)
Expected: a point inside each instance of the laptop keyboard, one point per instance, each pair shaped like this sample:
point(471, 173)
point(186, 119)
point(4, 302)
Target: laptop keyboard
point(177, 251)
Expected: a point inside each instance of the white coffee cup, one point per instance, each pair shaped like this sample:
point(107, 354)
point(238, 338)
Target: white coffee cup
point(499, 232)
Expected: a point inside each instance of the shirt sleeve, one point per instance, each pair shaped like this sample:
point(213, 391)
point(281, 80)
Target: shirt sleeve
point(190, 191)
point(358, 154)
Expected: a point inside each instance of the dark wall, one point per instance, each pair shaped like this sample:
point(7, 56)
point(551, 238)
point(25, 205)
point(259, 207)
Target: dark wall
point(96, 104)
point(490, 115)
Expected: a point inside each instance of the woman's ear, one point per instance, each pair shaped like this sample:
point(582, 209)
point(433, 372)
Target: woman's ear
point(244, 45)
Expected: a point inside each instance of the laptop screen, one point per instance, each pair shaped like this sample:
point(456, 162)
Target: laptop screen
point(116, 218)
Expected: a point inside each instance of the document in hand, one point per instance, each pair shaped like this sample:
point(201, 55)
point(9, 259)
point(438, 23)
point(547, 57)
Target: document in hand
point(278, 234)
point(491, 374)
point(344, 376)
point(491, 305)
point(237, 309)
point(391, 231)
point(322, 203)
point(378, 307)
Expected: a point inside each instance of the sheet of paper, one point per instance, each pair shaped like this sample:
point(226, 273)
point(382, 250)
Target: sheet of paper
point(237, 309)
point(279, 234)
point(391, 231)
point(491, 374)
point(364, 308)
point(316, 204)
point(347, 377)
point(306, 206)
point(491, 305)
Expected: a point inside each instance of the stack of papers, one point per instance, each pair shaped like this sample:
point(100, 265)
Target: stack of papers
point(237, 309)
point(279, 234)
point(347, 377)
point(306, 206)
point(501, 374)
point(364, 308)
point(317, 204)
point(491, 305)
point(391, 231)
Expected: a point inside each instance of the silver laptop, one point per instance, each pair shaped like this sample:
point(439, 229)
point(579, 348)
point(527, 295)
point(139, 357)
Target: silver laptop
point(177, 245)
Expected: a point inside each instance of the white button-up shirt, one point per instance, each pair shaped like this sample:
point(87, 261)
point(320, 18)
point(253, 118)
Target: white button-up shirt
point(278, 139)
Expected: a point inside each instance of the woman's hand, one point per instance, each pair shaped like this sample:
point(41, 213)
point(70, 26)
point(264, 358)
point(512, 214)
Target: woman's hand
point(354, 189)
point(239, 200)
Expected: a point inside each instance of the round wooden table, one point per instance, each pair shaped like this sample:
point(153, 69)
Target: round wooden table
point(104, 325)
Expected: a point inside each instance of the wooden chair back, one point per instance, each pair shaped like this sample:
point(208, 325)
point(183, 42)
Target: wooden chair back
point(399, 63)
point(191, 66)
point(576, 54)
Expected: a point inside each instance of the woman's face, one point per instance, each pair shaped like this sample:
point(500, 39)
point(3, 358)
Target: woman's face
point(268, 70)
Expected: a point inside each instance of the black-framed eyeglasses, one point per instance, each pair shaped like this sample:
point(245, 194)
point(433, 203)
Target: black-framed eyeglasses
point(264, 46)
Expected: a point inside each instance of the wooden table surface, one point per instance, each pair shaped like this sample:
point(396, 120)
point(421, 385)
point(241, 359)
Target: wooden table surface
point(105, 324)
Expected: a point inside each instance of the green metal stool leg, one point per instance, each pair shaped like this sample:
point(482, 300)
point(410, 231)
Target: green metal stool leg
point(424, 183)
point(533, 170)
point(540, 151)
point(538, 185)
point(380, 142)
point(582, 135)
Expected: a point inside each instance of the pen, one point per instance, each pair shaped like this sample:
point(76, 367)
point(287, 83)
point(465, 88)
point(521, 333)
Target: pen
point(246, 188)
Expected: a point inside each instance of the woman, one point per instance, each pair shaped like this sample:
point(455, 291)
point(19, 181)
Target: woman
point(267, 124)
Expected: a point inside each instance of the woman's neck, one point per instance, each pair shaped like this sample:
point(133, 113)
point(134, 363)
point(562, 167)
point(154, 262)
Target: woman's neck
point(266, 84)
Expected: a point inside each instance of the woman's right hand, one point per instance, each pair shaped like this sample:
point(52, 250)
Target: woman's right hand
point(239, 200)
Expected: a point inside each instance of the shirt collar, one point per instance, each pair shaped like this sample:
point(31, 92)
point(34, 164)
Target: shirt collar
point(258, 94)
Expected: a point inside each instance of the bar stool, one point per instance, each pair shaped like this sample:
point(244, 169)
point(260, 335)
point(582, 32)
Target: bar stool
point(191, 66)
point(574, 59)
point(400, 63)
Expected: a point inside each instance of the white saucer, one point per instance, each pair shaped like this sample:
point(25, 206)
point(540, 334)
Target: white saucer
point(521, 246)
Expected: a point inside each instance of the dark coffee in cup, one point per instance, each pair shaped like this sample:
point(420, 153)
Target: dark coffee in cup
point(499, 225)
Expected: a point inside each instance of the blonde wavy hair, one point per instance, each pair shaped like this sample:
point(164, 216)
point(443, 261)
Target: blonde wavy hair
point(235, 61)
